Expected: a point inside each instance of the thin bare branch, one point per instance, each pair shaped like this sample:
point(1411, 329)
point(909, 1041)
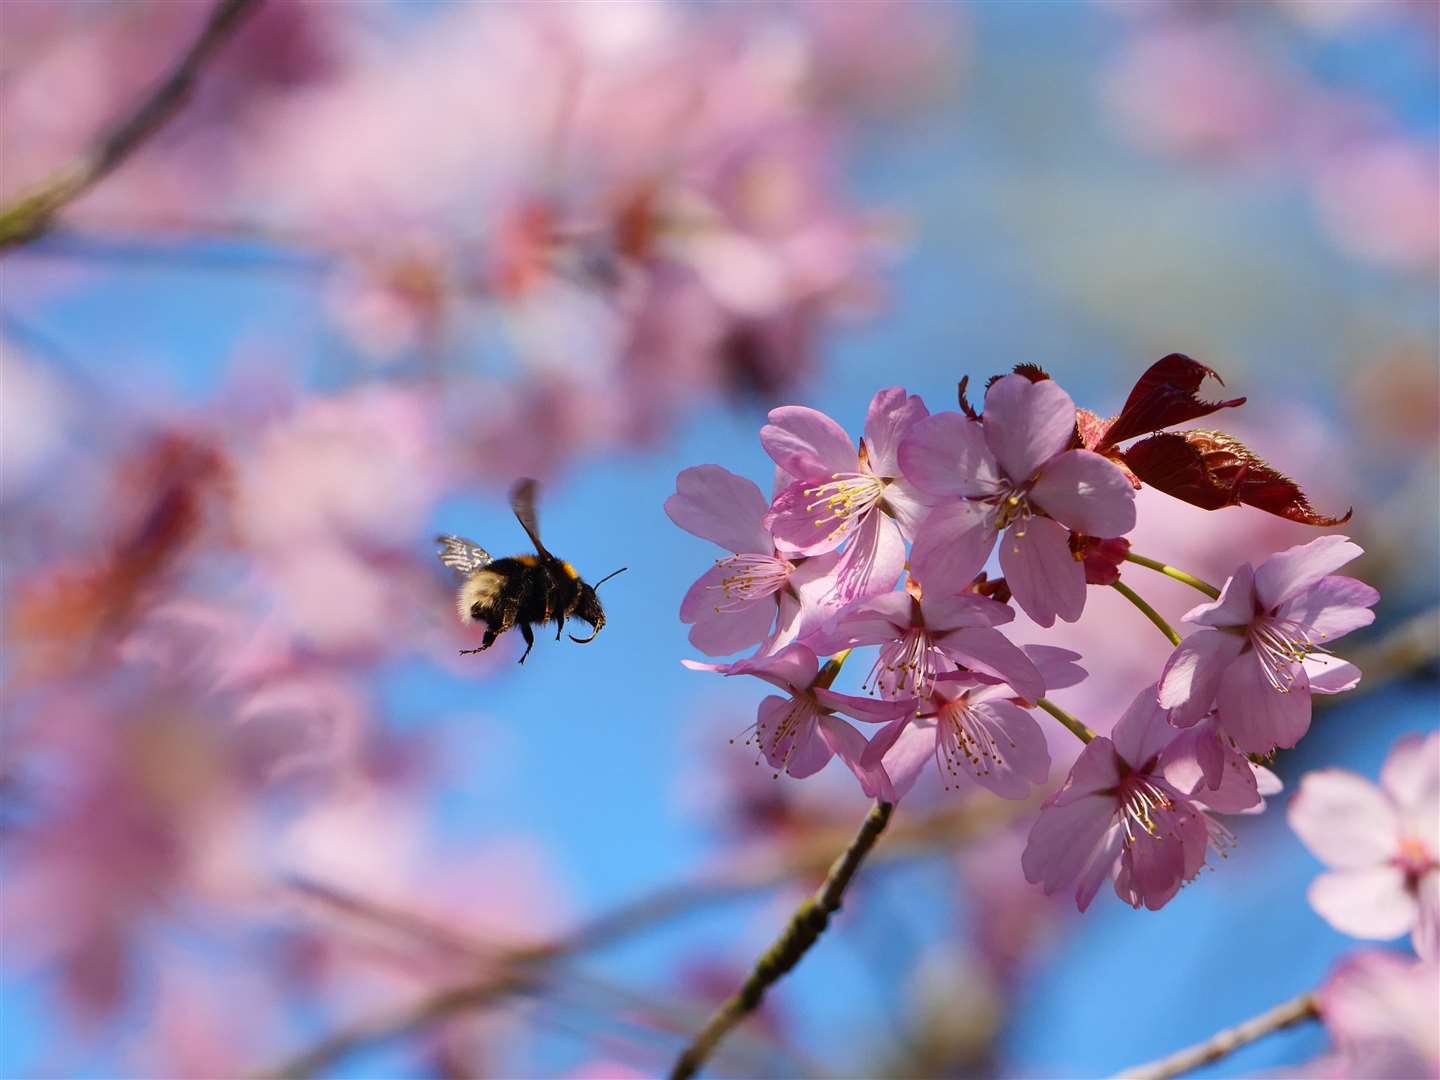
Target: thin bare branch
point(1225, 1042)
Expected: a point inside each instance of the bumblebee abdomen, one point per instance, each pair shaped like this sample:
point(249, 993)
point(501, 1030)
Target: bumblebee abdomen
point(480, 593)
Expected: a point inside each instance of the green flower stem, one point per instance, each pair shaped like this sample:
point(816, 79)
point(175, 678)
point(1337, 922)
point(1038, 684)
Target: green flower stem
point(1079, 730)
point(1148, 611)
point(1179, 575)
point(831, 669)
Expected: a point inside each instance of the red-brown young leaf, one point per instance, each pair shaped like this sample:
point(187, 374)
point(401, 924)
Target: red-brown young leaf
point(1213, 470)
point(1033, 372)
point(1164, 397)
point(965, 406)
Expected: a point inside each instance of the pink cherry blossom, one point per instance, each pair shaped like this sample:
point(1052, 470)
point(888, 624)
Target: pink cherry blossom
point(1118, 815)
point(735, 604)
point(1380, 1010)
point(1013, 470)
point(839, 494)
point(1264, 649)
point(1381, 842)
point(921, 637)
point(799, 733)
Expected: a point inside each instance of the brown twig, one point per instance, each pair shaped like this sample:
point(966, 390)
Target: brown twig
point(803, 930)
point(33, 213)
point(1292, 1012)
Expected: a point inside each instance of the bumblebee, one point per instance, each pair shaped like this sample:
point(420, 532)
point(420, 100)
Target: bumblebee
point(520, 590)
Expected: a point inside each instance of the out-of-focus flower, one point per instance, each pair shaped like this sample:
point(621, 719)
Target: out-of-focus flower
point(841, 496)
point(734, 604)
point(1382, 843)
point(1380, 1010)
point(1014, 471)
point(1117, 815)
point(799, 733)
point(923, 636)
point(1266, 649)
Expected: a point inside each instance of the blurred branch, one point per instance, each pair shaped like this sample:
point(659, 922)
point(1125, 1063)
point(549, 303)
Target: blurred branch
point(1226, 1042)
point(33, 213)
point(803, 930)
point(520, 969)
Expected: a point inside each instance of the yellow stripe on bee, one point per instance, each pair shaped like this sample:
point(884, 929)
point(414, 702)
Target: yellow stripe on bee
point(528, 560)
point(574, 574)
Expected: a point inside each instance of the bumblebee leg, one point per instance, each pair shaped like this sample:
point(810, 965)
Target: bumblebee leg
point(529, 636)
point(485, 642)
point(559, 625)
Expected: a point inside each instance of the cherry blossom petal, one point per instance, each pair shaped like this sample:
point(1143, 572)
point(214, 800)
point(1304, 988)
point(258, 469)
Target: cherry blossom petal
point(873, 559)
point(1063, 839)
point(991, 652)
point(1057, 666)
point(793, 667)
point(1191, 676)
point(789, 625)
point(1426, 937)
point(1332, 607)
point(807, 443)
point(1411, 777)
point(1027, 423)
point(1020, 756)
point(1100, 865)
point(1255, 714)
point(1236, 605)
point(795, 527)
point(908, 747)
point(1370, 903)
point(865, 709)
point(952, 545)
point(1044, 577)
point(890, 417)
point(946, 455)
point(849, 746)
point(1286, 573)
point(957, 610)
point(908, 505)
point(716, 505)
point(1087, 492)
point(1096, 770)
point(1329, 674)
point(1142, 731)
point(1380, 1009)
point(1346, 821)
point(718, 632)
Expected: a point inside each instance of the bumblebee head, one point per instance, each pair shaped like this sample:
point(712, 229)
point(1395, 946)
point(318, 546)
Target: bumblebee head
point(588, 608)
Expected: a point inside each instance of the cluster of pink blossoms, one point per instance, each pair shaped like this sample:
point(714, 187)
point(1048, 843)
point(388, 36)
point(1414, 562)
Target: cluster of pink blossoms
point(921, 502)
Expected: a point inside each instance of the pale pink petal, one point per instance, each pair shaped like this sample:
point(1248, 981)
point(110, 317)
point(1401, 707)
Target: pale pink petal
point(1236, 606)
point(1379, 1008)
point(865, 709)
point(1257, 715)
point(906, 751)
point(1332, 607)
point(1096, 771)
point(1286, 573)
point(952, 545)
point(787, 733)
point(957, 610)
point(946, 454)
point(872, 620)
point(1426, 937)
point(1018, 756)
point(797, 529)
point(1345, 820)
point(1195, 760)
point(891, 416)
point(812, 587)
point(1100, 865)
point(719, 632)
point(989, 651)
point(1142, 731)
point(1063, 839)
point(1027, 423)
point(1330, 675)
point(716, 505)
point(1057, 666)
point(1087, 492)
point(849, 746)
point(1044, 577)
point(788, 624)
point(1371, 903)
point(873, 559)
point(1411, 774)
point(1191, 677)
point(908, 505)
point(808, 444)
point(793, 667)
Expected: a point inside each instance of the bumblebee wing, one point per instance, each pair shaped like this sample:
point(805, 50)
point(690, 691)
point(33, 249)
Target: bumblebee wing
point(462, 556)
point(522, 501)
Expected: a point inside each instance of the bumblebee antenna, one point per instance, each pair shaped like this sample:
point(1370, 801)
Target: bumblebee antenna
point(608, 576)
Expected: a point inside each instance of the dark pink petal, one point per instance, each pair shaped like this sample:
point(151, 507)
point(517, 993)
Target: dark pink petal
point(1191, 677)
point(1255, 714)
point(891, 416)
point(1286, 573)
point(716, 505)
point(1370, 903)
point(793, 667)
point(952, 545)
point(1063, 839)
point(1154, 867)
point(1332, 607)
point(1044, 577)
point(1329, 675)
point(947, 455)
point(1096, 771)
point(808, 444)
point(1019, 756)
point(873, 559)
point(1057, 666)
point(865, 709)
point(951, 612)
point(1087, 492)
point(1346, 821)
point(904, 751)
point(1236, 606)
point(1142, 731)
point(1411, 773)
point(721, 632)
point(989, 651)
point(849, 746)
point(1026, 424)
point(798, 527)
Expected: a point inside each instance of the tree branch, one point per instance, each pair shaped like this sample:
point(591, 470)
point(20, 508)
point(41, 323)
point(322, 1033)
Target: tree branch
point(1226, 1042)
point(803, 930)
point(33, 213)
